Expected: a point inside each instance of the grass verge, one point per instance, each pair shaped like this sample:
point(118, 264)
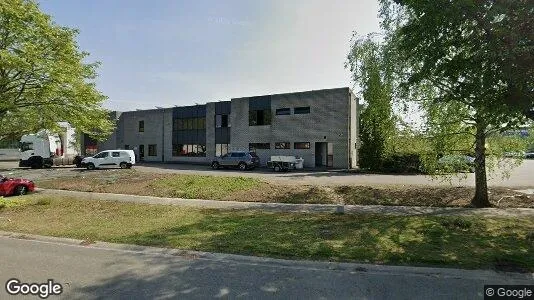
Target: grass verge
point(467, 242)
point(254, 190)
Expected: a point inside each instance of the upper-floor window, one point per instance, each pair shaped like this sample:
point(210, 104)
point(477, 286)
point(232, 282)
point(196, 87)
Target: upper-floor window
point(259, 117)
point(222, 121)
point(302, 110)
point(141, 126)
point(189, 124)
point(283, 111)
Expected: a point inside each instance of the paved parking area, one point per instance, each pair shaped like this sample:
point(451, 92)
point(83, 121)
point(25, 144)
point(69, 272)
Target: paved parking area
point(520, 177)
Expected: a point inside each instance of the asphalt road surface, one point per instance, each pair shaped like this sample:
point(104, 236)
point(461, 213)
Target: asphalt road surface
point(107, 271)
point(520, 177)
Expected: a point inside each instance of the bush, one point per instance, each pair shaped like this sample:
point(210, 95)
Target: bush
point(403, 163)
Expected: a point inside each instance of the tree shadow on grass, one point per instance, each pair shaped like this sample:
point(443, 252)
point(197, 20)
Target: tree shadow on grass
point(429, 241)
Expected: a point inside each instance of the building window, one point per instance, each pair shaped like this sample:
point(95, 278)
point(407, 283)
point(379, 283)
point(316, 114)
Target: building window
point(259, 117)
point(191, 150)
point(282, 145)
point(302, 110)
point(302, 145)
point(283, 111)
point(152, 150)
point(221, 149)
point(189, 124)
point(255, 146)
point(222, 121)
point(126, 147)
point(141, 126)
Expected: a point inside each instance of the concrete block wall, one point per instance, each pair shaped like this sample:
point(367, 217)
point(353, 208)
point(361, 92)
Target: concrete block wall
point(328, 121)
point(153, 132)
point(333, 118)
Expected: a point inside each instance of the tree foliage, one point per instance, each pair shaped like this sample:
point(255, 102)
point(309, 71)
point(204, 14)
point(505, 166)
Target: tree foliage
point(469, 62)
point(43, 75)
point(377, 124)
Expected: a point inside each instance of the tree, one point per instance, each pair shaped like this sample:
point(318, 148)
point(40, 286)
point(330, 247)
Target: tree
point(43, 76)
point(377, 123)
point(467, 54)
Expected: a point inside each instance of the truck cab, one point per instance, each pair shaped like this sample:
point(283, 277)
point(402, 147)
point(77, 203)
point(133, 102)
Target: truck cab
point(45, 149)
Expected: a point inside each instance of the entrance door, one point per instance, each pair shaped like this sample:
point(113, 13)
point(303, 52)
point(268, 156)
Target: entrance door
point(330, 157)
point(141, 152)
point(320, 154)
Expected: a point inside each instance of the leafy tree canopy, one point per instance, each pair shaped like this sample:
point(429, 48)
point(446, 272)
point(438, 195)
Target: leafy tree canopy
point(377, 122)
point(43, 75)
point(469, 63)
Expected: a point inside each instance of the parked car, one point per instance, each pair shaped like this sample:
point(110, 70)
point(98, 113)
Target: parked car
point(15, 186)
point(519, 154)
point(124, 159)
point(456, 163)
point(243, 160)
point(529, 155)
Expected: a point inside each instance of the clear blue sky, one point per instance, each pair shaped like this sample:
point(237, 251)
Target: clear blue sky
point(171, 52)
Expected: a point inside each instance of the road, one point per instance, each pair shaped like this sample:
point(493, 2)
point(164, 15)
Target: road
point(520, 177)
point(108, 271)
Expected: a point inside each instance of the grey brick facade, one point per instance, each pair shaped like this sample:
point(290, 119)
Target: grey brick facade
point(326, 120)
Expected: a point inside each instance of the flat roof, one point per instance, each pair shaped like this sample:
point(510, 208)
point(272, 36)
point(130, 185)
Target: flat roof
point(277, 94)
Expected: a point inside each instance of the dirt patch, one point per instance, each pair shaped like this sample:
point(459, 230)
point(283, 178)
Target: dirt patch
point(253, 190)
point(430, 196)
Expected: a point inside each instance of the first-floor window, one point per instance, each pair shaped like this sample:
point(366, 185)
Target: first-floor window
point(221, 149)
point(192, 150)
point(126, 147)
point(302, 145)
point(282, 145)
point(255, 146)
point(152, 150)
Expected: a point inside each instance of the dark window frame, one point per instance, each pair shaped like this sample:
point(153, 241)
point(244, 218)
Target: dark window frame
point(259, 146)
point(302, 110)
point(286, 145)
point(283, 111)
point(219, 149)
point(141, 126)
point(152, 150)
point(191, 150)
point(299, 145)
point(261, 117)
point(189, 124)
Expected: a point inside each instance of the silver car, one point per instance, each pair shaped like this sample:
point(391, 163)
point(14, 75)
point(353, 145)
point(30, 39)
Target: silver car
point(243, 160)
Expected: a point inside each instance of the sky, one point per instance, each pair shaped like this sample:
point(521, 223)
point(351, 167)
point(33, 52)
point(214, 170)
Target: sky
point(172, 52)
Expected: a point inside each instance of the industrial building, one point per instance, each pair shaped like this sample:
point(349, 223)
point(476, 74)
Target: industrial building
point(320, 126)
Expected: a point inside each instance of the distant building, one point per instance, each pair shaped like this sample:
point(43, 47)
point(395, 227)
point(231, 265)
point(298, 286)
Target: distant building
point(319, 126)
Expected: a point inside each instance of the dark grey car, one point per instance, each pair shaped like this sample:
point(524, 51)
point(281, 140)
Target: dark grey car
point(243, 160)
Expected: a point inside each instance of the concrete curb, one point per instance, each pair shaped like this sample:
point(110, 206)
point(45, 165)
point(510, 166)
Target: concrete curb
point(487, 275)
point(306, 208)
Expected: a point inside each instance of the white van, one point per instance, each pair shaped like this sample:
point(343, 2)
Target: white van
point(124, 159)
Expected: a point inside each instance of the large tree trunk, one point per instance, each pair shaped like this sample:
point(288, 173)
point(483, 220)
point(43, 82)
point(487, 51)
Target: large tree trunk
point(481, 183)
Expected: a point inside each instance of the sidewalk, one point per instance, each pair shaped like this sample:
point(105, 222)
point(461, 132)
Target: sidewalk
point(105, 270)
point(307, 208)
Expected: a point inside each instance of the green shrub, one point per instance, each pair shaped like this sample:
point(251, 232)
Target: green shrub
point(403, 163)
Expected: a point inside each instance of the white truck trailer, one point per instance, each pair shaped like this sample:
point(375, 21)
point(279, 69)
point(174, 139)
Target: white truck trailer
point(46, 149)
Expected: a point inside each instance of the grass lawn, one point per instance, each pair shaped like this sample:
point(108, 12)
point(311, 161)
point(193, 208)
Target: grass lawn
point(467, 242)
point(255, 190)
